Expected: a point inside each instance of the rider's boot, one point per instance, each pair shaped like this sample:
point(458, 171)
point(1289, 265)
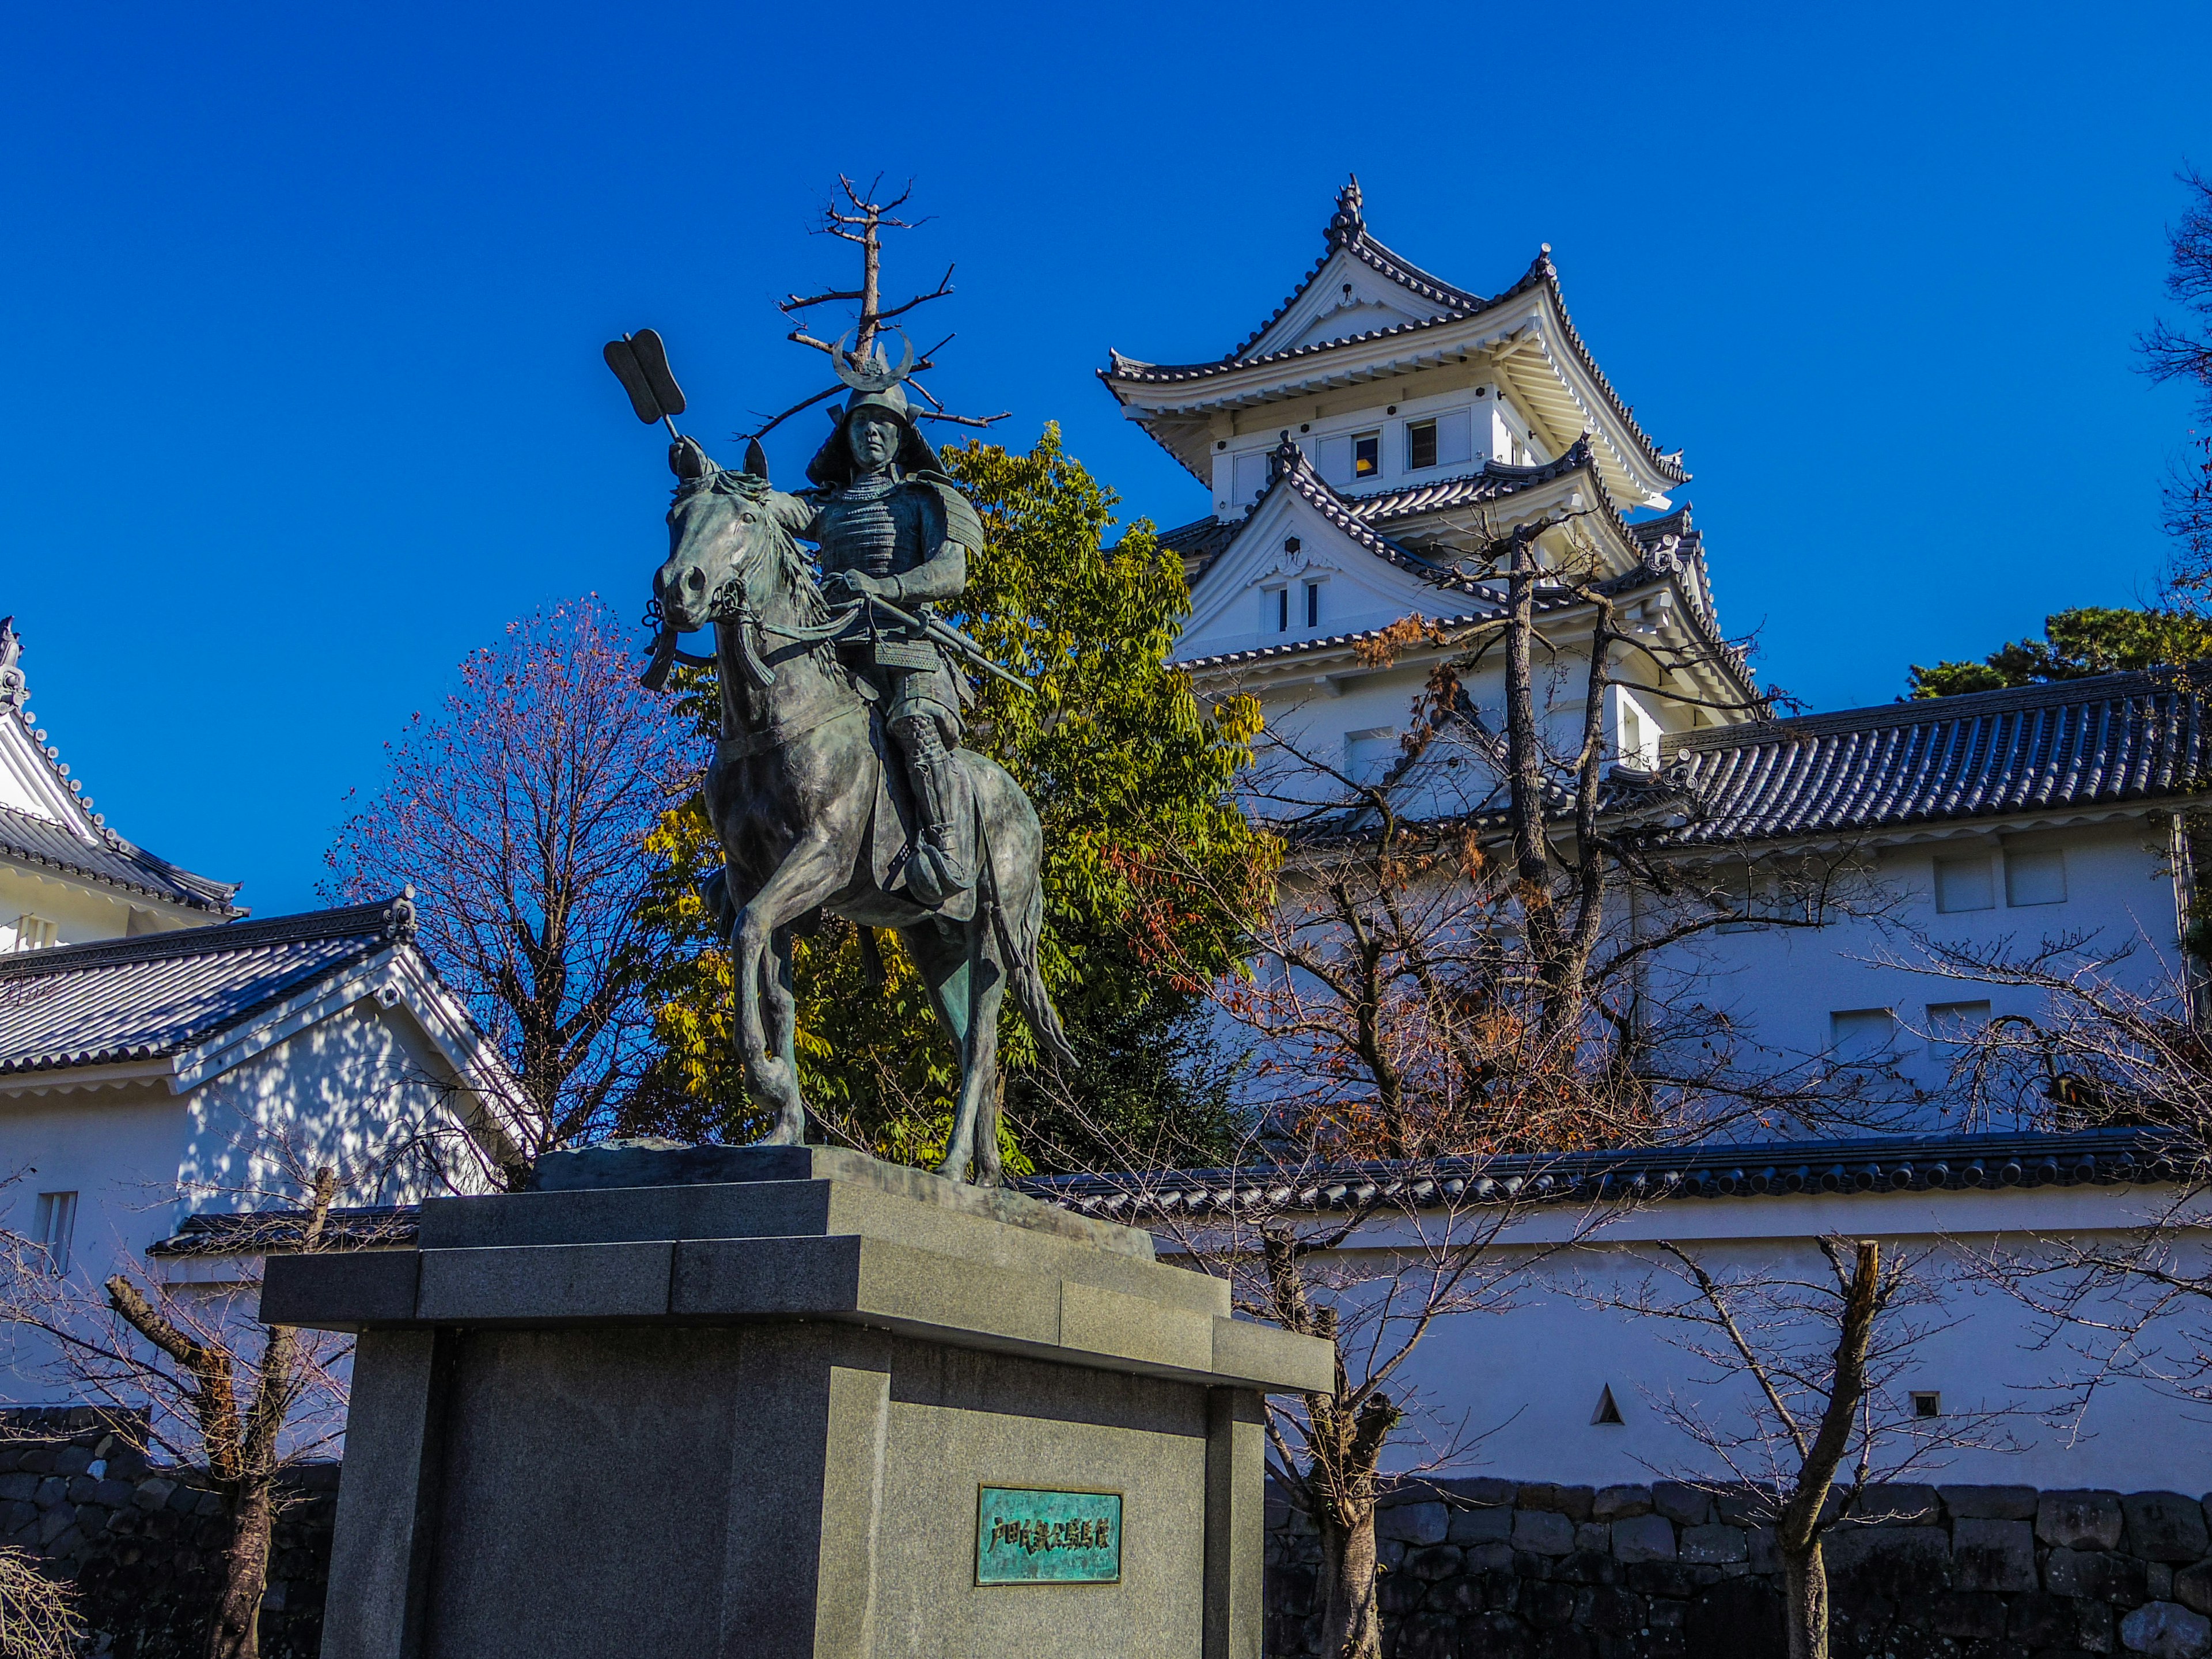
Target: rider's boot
point(942, 865)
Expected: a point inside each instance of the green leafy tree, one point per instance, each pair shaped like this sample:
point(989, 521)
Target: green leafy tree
point(1131, 776)
point(2076, 644)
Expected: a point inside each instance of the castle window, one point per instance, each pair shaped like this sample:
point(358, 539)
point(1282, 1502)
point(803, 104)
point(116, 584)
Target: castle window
point(1956, 1024)
point(35, 933)
point(1248, 476)
point(56, 1225)
point(1930, 1404)
point(1420, 445)
point(2035, 878)
point(1366, 454)
point(1279, 603)
point(1313, 604)
point(1964, 883)
point(1369, 755)
point(1862, 1035)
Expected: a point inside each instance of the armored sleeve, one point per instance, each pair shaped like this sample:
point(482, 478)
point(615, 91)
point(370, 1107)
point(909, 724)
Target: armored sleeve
point(949, 528)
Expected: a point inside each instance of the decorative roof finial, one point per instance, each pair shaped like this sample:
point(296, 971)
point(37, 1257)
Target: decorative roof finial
point(1348, 221)
point(12, 689)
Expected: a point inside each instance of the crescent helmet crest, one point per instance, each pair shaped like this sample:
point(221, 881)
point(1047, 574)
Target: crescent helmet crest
point(870, 373)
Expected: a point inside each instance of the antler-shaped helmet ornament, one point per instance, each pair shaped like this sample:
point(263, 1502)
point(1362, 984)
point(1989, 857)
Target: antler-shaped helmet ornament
point(870, 373)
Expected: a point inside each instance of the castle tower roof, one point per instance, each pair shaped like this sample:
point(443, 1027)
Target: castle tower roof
point(47, 823)
point(1366, 318)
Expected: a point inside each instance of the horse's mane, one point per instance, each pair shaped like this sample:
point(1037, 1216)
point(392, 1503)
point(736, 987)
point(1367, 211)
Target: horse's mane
point(794, 567)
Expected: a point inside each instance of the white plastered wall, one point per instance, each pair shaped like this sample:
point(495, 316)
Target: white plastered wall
point(1783, 986)
point(1525, 1383)
point(350, 1090)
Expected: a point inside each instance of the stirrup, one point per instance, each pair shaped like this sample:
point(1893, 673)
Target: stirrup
point(932, 877)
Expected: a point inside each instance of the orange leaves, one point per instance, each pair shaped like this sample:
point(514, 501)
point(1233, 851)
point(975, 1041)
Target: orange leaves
point(1382, 648)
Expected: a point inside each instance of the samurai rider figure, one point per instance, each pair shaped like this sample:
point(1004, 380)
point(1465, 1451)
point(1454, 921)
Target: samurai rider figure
point(892, 525)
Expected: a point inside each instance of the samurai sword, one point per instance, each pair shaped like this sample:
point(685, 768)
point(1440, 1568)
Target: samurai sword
point(955, 640)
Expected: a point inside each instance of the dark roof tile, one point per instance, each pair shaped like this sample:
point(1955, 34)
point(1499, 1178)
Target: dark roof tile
point(1864, 1164)
point(157, 995)
point(2108, 739)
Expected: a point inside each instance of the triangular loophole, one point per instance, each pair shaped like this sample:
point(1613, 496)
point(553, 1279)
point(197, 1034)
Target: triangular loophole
point(1607, 1411)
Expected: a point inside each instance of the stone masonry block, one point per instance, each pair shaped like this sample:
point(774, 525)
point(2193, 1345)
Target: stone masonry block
point(1573, 1502)
point(1643, 1538)
point(1686, 1506)
point(2165, 1526)
point(1766, 1549)
point(1543, 1532)
point(2079, 1520)
point(2095, 1576)
point(2167, 1631)
point(1989, 1503)
point(1480, 1526)
point(544, 1281)
point(1898, 1564)
point(1714, 1546)
point(1992, 1555)
point(1899, 1506)
point(2192, 1587)
point(1413, 1523)
point(1486, 1490)
point(1619, 1503)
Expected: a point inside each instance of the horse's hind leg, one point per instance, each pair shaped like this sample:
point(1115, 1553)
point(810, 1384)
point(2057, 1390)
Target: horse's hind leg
point(966, 982)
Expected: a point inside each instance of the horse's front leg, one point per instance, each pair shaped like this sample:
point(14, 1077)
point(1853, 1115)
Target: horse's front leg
point(767, 1012)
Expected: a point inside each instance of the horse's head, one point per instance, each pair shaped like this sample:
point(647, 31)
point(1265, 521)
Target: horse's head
point(720, 529)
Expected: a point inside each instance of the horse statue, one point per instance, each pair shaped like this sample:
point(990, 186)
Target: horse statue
point(806, 793)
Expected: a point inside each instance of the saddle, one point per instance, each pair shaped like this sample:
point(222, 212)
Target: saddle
point(891, 824)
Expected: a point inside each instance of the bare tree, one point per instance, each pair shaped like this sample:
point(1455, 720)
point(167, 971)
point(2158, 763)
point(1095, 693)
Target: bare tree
point(518, 812)
point(37, 1619)
point(210, 1385)
point(1445, 1004)
point(861, 219)
point(1369, 1255)
point(1814, 1415)
point(2115, 1043)
point(2183, 351)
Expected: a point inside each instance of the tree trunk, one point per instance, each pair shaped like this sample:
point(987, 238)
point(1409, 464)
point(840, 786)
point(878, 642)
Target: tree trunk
point(237, 1631)
point(1805, 1577)
point(1351, 1628)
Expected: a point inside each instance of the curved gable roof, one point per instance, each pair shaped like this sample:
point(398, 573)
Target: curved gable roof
point(1347, 233)
point(75, 840)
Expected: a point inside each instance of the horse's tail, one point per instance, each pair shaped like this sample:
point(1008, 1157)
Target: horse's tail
point(1019, 940)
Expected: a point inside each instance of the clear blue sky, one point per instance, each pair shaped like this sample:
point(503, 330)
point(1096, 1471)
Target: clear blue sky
point(301, 397)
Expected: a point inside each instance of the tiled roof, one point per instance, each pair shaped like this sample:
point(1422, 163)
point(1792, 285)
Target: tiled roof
point(106, 858)
point(2112, 739)
point(1347, 229)
point(263, 1232)
point(1200, 542)
point(1777, 1168)
point(158, 995)
point(1305, 647)
point(1292, 470)
point(1860, 1165)
point(111, 860)
point(1496, 478)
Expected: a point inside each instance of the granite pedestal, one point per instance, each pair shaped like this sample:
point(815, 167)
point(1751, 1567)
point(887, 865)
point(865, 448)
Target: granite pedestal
point(741, 1401)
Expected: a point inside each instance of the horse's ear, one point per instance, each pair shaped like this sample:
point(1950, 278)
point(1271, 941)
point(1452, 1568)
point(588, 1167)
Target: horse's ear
point(756, 460)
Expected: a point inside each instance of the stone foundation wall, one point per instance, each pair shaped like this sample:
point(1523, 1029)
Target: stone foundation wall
point(1492, 1569)
point(143, 1545)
